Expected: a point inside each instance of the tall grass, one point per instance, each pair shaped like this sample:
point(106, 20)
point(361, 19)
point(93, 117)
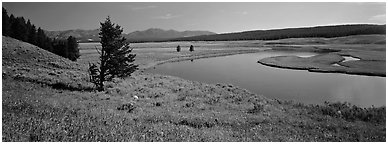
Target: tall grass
point(352, 113)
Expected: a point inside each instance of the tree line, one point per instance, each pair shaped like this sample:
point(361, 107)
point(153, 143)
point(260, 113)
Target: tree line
point(19, 28)
point(320, 31)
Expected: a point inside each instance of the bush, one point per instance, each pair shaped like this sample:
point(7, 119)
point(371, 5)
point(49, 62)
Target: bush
point(257, 107)
point(128, 107)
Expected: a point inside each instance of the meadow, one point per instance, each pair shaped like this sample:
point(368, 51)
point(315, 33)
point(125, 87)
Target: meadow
point(48, 98)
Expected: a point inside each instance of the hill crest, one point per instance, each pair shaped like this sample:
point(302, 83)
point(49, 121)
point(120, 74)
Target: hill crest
point(304, 32)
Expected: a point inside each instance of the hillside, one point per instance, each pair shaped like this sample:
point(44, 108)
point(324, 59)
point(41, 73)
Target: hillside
point(27, 62)
point(319, 31)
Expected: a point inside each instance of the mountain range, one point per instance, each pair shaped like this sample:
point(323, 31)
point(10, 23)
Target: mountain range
point(155, 34)
point(152, 34)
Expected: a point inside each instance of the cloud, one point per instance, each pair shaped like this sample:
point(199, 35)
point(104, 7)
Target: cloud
point(135, 8)
point(378, 18)
point(167, 16)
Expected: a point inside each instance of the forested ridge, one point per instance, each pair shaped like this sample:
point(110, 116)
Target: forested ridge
point(19, 28)
point(319, 31)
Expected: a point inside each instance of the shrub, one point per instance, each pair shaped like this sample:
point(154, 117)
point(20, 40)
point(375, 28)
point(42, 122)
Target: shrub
point(129, 107)
point(257, 107)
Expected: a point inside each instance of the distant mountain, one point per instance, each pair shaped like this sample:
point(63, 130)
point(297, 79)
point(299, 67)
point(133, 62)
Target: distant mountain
point(319, 31)
point(80, 35)
point(153, 34)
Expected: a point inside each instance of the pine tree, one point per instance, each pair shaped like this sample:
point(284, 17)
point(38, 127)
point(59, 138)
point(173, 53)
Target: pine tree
point(40, 38)
point(191, 48)
point(178, 48)
point(32, 35)
point(28, 31)
point(20, 29)
point(116, 59)
point(72, 47)
point(12, 20)
point(6, 23)
point(48, 44)
point(60, 48)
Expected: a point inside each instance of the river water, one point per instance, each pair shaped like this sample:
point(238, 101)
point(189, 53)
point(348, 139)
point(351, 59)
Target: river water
point(242, 70)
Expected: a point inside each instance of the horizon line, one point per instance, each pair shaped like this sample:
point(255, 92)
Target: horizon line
point(235, 31)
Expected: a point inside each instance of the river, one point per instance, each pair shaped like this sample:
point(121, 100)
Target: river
point(242, 70)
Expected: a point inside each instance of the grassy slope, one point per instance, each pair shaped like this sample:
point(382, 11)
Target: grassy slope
point(42, 101)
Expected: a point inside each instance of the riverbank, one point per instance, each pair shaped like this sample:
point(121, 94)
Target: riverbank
point(48, 98)
point(368, 49)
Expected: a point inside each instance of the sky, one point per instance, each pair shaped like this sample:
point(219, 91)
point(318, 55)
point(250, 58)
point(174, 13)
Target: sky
point(217, 17)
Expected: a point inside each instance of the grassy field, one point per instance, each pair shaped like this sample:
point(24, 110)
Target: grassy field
point(48, 98)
